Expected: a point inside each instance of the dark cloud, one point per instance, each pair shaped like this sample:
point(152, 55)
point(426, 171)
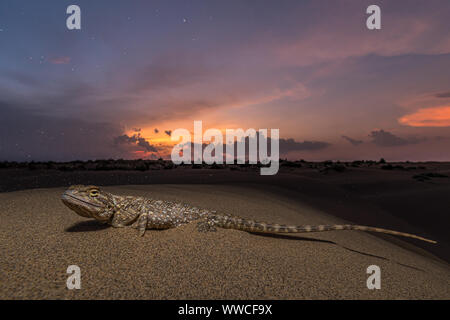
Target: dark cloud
point(21, 78)
point(168, 132)
point(137, 129)
point(135, 139)
point(288, 145)
point(69, 96)
point(42, 137)
point(443, 95)
point(285, 145)
point(386, 139)
point(353, 141)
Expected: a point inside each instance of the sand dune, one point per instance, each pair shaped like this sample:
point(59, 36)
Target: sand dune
point(40, 238)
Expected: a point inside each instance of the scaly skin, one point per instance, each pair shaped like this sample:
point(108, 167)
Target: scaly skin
point(142, 213)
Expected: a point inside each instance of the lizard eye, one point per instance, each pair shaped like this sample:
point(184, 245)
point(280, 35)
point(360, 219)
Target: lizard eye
point(93, 193)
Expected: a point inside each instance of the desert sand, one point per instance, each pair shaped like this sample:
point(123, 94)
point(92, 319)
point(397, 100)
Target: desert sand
point(40, 238)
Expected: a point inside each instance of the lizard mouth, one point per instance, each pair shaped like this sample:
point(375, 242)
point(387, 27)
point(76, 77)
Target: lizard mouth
point(78, 205)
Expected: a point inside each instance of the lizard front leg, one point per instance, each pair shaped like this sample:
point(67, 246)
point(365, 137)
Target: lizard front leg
point(123, 218)
point(141, 223)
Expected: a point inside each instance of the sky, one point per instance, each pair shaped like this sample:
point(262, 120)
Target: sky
point(137, 70)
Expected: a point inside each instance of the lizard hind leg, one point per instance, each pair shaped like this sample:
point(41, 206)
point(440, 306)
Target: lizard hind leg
point(206, 225)
point(141, 223)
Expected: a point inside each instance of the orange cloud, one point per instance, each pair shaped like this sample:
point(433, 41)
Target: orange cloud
point(60, 60)
point(428, 117)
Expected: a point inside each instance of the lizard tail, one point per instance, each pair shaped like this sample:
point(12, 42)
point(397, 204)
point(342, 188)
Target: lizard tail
point(228, 222)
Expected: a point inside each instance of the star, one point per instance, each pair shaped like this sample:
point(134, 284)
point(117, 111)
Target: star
point(184, 20)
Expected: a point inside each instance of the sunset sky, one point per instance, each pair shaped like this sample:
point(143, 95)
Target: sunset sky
point(137, 70)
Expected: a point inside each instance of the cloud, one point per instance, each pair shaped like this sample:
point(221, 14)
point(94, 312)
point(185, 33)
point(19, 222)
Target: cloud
point(167, 88)
point(386, 139)
point(135, 140)
point(353, 141)
point(168, 132)
point(443, 95)
point(27, 135)
point(428, 117)
point(288, 145)
point(178, 85)
point(421, 30)
point(266, 67)
point(60, 60)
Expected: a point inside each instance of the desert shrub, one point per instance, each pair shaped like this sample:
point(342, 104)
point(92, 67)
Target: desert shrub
point(338, 168)
point(65, 168)
point(357, 163)
point(216, 166)
point(32, 166)
point(141, 167)
point(335, 167)
point(168, 165)
point(291, 164)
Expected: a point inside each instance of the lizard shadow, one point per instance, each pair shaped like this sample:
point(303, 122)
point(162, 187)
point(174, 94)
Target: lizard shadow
point(298, 238)
point(87, 226)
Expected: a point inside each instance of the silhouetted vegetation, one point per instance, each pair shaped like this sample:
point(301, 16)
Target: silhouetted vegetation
point(330, 166)
point(291, 164)
point(161, 164)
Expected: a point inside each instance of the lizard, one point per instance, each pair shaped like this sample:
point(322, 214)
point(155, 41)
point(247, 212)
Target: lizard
point(145, 213)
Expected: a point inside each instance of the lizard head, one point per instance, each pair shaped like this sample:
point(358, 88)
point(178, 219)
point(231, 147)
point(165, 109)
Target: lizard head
point(89, 202)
